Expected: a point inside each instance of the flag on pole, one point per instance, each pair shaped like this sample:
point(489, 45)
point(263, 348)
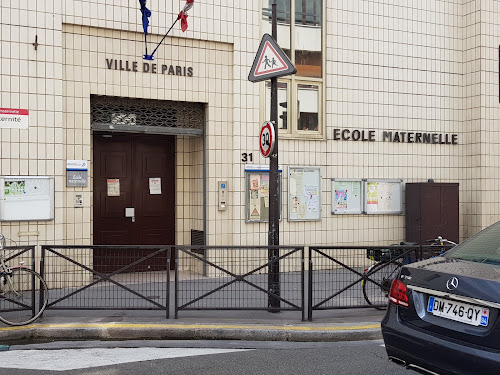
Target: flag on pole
point(146, 13)
point(183, 14)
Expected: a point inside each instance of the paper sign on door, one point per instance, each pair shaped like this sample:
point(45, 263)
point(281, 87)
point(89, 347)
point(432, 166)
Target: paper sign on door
point(113, 187)
point(155, 185)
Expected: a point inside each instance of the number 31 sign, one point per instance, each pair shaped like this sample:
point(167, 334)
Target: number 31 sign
point(266, 139)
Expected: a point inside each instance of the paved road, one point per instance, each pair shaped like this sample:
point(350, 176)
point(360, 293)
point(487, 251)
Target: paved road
point(199, 357)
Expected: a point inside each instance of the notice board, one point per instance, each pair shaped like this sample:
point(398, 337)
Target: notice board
point(304, 193)
point(257, 193)
point(347, 196)
point(26, 198)
point(383, 197)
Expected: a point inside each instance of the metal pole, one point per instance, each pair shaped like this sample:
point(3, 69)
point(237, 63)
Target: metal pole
point(274, 201)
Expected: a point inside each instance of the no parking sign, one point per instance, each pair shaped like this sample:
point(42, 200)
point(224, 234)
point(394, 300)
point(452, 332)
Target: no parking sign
point(266, 139)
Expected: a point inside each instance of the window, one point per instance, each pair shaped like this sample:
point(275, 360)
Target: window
point(300, 36)
point(484, 247)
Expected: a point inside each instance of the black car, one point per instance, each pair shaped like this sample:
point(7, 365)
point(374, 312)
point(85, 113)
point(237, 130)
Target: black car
point(443, 314)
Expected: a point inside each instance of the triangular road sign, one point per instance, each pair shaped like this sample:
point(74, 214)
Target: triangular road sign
point(270, 61)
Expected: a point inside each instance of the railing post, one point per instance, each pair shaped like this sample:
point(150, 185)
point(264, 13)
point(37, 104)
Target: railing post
point(176, 283)
point(302, 284)
point(42, 274)
point(310, 286)
point(168, 251)
point(33, 290)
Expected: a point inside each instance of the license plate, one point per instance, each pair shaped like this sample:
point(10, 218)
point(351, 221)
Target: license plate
point(458, 311)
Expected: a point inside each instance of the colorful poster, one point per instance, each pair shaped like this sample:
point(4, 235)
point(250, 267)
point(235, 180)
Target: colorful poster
point(254, 182)
point(15, 188)
point(113, 187)
point(341, 200)
point(372, 193)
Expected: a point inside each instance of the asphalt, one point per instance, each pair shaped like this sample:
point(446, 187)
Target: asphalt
point(106, 325)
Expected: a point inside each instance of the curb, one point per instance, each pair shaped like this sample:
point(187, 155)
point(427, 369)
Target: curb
point(124, 331)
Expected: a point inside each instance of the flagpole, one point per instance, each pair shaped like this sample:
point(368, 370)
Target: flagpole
point(161, 41)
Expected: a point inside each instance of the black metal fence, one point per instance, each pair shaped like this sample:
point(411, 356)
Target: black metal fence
point(341, 277)
point(219, 278)
point(240, 278)
point(107, 277)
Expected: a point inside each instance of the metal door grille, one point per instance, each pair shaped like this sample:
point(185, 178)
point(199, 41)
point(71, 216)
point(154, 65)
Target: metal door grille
point(112, 113)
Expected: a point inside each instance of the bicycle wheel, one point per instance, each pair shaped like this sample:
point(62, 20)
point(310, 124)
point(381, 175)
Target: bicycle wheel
point(20, 302)
point(377, 282)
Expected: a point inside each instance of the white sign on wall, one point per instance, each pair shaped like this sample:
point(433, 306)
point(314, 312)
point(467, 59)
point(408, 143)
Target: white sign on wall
point(26, 198)
point(11, 118)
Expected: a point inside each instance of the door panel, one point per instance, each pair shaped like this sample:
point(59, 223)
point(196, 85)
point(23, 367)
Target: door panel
point(113, 206)
point(114, 237)
point(133, 160)
point(154, 158)
point(115, 163)
point(431, 205)
point(112, 160)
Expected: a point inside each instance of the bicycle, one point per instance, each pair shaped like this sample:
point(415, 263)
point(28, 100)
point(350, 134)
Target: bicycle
point(378, 278)
point(20, 288)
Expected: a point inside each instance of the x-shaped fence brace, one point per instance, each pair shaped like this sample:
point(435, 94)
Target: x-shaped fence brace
point(240, 278)
point(365, 276)
point(107, 277)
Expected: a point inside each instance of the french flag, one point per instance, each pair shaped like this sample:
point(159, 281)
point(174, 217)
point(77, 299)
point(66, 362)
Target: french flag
point(183, 14)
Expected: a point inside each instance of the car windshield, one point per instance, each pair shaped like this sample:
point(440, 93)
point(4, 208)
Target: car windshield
point(484, 247)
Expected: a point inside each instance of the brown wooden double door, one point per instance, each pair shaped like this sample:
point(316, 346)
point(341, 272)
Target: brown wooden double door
point(432, 210)
point(134, 173)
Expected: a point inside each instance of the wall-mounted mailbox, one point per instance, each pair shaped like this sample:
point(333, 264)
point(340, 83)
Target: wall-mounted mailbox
point(26, 198)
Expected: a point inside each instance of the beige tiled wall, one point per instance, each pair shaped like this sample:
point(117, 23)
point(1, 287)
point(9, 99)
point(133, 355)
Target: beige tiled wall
point(32, 79)
point(427, 66)
point(88, 74)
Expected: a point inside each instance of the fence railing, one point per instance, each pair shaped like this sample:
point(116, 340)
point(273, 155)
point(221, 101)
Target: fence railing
point(107, 277)
point(264, 278)
point(240, 278)
point(338, 277)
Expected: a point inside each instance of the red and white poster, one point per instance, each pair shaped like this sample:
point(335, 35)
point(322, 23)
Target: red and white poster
point(11, 118)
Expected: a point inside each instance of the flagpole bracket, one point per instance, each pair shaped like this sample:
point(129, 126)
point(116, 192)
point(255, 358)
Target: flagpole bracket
point(148, 57)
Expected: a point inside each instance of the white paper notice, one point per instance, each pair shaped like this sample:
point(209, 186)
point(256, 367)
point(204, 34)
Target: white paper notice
point(293, 186)
point(113, 187)
point(155, 185)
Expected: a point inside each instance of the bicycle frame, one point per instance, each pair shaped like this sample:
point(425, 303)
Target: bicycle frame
point(5, 270)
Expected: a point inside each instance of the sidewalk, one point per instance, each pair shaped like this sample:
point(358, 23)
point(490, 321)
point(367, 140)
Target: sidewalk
point(328, 325)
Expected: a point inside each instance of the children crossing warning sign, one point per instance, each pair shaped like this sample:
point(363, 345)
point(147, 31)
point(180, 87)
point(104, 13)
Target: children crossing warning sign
point(270, 61)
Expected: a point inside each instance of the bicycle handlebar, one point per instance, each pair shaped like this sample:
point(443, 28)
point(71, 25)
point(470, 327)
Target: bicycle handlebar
point(440, 241)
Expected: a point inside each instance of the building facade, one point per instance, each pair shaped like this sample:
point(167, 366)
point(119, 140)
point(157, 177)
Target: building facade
point(386, 91)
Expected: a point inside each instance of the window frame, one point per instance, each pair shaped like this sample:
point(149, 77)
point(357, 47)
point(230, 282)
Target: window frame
point(293, 82)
